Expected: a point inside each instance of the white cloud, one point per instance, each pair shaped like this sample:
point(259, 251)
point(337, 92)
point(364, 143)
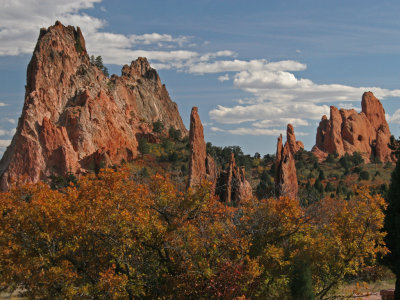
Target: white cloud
point(10, 120)
point(267, 111)
point(156, 38)
point(280, 122)
point(223, 78)
point(4, 132)
point(395, 118)
point(255, 131)
point(2, 104)
point(3, 146)
point(21, 20)
point(237, 65)
point(103, 9)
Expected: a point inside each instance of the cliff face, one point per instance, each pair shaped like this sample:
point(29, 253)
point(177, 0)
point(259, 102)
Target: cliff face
point(347, 131)
point(74, 116)
point(285, 167)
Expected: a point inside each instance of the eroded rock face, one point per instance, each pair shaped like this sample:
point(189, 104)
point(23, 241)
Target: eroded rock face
point(347, 131)
point(201, 166)
point(73, 114)
point(232, 185)
point(285, 169)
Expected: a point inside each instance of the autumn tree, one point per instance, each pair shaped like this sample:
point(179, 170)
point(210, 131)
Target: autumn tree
point(113, 237)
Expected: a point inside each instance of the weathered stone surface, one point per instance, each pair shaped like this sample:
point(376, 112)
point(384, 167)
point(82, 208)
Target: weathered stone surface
point(73, 113)
point(232, 185)
point(347, 131)
point(285, 171)
point(291, 140)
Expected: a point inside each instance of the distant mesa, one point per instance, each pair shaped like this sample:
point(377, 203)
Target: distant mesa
point(347, 131)
point(285, 168)
point(75, 117)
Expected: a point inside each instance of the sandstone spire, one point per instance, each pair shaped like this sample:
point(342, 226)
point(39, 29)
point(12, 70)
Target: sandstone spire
point(291, 140)
point(73, 114)
point(201, 165)
point(285, 168)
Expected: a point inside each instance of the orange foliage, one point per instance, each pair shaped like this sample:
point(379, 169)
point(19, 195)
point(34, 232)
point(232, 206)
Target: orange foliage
point(111, 237)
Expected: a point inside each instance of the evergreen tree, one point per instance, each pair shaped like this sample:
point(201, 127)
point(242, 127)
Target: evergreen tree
point(392, 227)
point(301, 280)
point(144, 147)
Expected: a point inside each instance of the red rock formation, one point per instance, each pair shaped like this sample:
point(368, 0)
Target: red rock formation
point(291, 140)
point(201, 166)
point(285, 170)
point(232, 185)
point(73, 113)
point(347, 131)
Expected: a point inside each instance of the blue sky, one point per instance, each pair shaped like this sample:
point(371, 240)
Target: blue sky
point(250, 66)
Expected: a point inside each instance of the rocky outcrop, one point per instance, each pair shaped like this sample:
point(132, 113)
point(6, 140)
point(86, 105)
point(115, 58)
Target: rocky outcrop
point(291, 140)
point(232, 185)
point(201, 166)
point(285, 169)
point(73, 115)
point(347, 131)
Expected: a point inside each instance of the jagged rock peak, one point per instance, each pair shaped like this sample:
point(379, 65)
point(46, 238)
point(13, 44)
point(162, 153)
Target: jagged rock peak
point(347, 131)
point(74, 116)
point(285, 168)
point(291, 140)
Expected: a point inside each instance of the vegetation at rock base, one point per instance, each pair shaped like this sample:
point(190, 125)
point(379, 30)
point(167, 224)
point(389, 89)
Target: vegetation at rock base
point(111, 235)
point(98, 62)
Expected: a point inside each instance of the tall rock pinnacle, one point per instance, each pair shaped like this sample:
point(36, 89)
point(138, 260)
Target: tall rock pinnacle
point(73, 115)
point(201, 165)
point(285, 168)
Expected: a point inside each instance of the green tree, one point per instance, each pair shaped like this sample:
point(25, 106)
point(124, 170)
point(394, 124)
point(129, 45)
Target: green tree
point(144, 147)
point(175, 134)
point(392, 227)
point(158, 126)
point(301, 286)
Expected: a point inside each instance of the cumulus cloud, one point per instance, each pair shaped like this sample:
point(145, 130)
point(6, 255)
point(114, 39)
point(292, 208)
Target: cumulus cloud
point(223, 78)
point(4, 132)
point(9, 120)
point(3, 146)
point(21, 20)
point(395, 118)
point(280, 122)
point(267, 111)
point(255, 131)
